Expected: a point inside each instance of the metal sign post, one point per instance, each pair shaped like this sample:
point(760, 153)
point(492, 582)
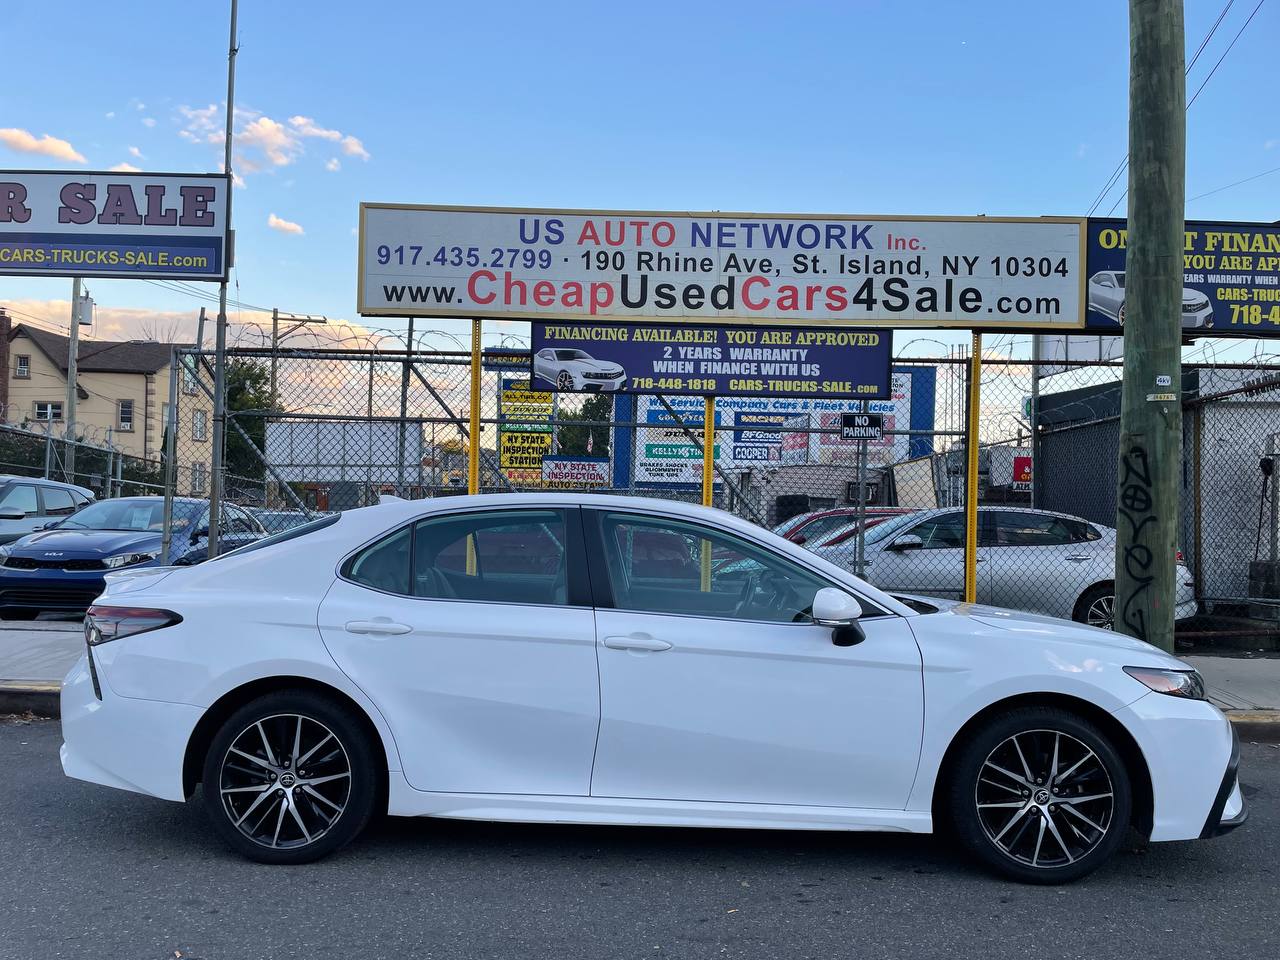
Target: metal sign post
point(971, 473)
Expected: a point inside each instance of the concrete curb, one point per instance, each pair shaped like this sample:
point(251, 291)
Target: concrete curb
point(30, 696)
point(1261, 726)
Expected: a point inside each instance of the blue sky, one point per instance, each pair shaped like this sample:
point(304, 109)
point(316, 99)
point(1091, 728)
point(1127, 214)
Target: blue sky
point(861, 106)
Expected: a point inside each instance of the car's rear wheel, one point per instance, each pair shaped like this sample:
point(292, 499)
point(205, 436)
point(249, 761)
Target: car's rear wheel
point(290, 777)
point(1097, 607)
point(1040, 795)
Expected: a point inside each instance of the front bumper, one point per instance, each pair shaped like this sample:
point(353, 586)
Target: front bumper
point(49, 589)
point(132, 744)
point(1228, 810)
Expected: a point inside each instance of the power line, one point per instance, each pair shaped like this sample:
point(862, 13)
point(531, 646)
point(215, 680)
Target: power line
point(1256, 176)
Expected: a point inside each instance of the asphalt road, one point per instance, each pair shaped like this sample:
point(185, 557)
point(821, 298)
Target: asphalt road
point(95, 873)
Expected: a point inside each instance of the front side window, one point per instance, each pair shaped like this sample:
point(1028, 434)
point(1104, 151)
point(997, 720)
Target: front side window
point(941, 532)
point(667, 566)
point(20, 496)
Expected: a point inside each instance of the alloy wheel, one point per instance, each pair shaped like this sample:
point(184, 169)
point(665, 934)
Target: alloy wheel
point(285, 781)
point(1044, 799)
point(565, 380)
point(1102, 613)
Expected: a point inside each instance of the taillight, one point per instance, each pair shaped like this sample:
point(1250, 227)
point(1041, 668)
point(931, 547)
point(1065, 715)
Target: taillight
point(104, 623)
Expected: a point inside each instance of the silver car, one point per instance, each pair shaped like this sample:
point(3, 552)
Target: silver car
point(577, 370)
point(28, 503)
point(1106, 295)
point(1032, 560)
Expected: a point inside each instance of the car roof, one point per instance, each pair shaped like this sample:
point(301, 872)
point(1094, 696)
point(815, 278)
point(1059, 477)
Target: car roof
point(43, 482)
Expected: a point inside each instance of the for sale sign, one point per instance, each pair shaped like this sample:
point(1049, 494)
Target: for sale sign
point(715, 267)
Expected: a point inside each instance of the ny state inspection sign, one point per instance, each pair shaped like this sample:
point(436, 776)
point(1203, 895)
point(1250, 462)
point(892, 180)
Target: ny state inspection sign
point(979, 272)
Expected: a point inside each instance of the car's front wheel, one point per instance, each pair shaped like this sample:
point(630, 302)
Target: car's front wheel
point(290, 777)
point(565, 380)
point(1041, 795)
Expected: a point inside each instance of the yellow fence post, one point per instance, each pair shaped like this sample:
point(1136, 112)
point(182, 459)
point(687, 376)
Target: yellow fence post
point(473, 447)
point(708, 479)
point(971, 473)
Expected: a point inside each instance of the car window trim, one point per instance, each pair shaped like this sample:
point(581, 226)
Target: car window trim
point(602, 590)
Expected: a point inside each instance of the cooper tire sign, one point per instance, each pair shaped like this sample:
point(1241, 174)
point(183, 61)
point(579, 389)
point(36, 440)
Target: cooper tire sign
point(976, 272)
point(140, 225)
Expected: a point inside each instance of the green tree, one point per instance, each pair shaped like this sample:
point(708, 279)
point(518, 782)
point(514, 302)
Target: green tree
point(248, 388)
point(595, 414)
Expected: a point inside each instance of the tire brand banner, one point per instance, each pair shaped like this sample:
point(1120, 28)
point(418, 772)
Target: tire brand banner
point(140, 225)
point(972, 272)
point(724, 361)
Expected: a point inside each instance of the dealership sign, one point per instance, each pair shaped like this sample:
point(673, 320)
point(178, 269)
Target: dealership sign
point(707, 359)
point(975, 272)
point(1231, 278)
point(142, 225)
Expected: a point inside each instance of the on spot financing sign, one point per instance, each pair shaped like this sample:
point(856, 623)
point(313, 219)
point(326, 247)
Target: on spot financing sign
point(1023, 274)
point(144, 225)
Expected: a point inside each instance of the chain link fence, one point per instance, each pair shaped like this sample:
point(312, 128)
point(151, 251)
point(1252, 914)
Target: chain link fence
point(105, 471)
point(312, 431)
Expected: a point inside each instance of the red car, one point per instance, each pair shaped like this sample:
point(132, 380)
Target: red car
point(812, 527)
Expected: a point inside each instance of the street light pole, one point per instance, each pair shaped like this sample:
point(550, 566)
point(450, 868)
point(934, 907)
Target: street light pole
point(220, 342)
point(1151, 410)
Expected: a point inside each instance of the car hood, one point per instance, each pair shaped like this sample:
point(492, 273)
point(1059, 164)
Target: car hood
point(1037, 628)
point(596, 366)
point(86, 543)
point(1192, 296)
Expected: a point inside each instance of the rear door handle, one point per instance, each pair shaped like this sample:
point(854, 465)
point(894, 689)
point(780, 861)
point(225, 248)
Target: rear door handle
point(378, 627)
point(636, 643)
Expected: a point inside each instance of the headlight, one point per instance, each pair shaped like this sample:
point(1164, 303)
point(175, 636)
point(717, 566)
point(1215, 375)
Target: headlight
point(128, 560)
point(1175, 683)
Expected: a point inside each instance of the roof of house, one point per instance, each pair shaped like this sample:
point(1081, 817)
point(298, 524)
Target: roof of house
point(101, 356)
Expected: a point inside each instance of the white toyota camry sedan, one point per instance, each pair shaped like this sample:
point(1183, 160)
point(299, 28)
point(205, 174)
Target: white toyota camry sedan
point(609, 660)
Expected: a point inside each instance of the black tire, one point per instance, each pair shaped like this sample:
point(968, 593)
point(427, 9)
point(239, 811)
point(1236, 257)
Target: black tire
point(1099, 597)
point(1024, 846)
point(262, 772)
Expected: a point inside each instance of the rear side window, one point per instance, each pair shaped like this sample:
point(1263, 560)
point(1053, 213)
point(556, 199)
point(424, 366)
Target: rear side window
point(510, 556)
point(384, 565)
point(58, 503)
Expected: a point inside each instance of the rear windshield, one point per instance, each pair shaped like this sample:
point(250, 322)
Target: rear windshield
point(302, 530)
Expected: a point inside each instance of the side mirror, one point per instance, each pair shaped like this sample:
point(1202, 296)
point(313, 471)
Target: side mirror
point(199, 533)
point(908, 541)
point(835, 608)
point(800, 539)
point(12, 513)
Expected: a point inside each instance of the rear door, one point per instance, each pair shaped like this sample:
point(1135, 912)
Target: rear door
point(1042, 562)
point(474, 634)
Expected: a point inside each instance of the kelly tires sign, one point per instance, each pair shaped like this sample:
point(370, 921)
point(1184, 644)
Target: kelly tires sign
point(724, 361)
point(713, 267)
point(141, 225)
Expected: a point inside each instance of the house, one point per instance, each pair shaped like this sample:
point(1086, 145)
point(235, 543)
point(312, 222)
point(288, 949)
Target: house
point(122, 391)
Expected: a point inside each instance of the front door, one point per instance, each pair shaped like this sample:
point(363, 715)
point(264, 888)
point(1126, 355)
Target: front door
point(473, 633)
point(716, 686)
point(928, 558)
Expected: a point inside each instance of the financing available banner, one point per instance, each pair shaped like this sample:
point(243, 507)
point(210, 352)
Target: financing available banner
point(973, 272)
point(724, 361)
point(141, 225)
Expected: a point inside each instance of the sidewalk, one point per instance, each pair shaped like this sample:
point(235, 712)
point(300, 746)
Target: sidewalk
point(35, 656)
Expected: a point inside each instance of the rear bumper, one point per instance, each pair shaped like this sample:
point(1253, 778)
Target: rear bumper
point(122, 742)
point(1228, 810)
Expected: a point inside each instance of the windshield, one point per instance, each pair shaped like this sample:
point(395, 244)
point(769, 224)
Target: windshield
point(127, 515)
point(572, 355)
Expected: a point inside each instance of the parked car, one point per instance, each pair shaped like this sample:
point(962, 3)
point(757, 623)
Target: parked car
point(63, 567)
point(813, 527)
point(577, 370)
point(1032, 560)
point(275, 521)
point(562, 658)
point(28, 503)
point(1106, 295)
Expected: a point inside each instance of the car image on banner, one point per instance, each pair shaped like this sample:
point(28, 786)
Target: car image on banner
point(570, 369)
point(1106, 296)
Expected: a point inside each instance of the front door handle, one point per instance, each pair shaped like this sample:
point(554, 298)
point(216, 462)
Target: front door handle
point(378, 627)
point(636, 643)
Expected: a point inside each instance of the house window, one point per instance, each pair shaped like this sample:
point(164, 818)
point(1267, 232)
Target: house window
point(199, 477)
point(165, 410)
point(23, 369)
point(124, 417)
point(48, 410)
point(200, 425)
point(188, 376)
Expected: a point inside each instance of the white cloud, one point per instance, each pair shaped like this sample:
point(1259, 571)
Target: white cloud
point(200, 119)
point(307, 127)
point(135, 153)
point(273, 139)
point(148, 121)
point(284, 226)
point(354, 148)
point(139, 105)
point(23, 141)
point(125, 168)
point(111, 114)
point(333, 165)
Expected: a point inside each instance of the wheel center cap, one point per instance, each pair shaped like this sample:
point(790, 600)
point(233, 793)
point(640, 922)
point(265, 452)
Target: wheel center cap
point(288, 780)
point(1041, 797)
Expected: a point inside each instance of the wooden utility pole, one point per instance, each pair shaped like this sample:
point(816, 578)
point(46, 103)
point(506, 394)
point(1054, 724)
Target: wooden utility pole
point(1151, 411)
point(73, 357)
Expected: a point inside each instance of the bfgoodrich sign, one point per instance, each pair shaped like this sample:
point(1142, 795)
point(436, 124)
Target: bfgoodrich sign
point(755, 268)
point(113, 224)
